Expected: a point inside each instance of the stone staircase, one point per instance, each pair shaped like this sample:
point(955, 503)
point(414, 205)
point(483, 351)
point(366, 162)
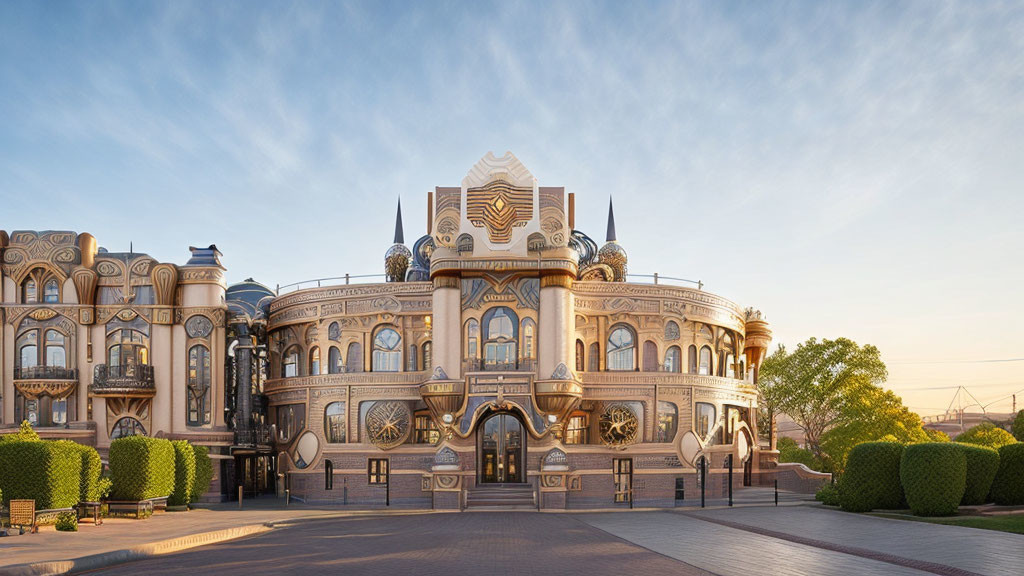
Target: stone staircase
point(501, 497)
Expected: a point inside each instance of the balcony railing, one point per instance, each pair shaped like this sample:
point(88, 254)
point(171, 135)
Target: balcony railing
point(45, 373)
point(129, 380)
point(478, 365)
point(262, 435)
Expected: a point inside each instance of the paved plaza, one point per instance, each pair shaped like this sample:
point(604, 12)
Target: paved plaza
point(787, 540)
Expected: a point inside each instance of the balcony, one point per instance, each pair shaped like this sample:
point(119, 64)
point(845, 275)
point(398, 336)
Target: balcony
point(45, 373)
point(478, 365)
point(133, 380)
point(262, 435)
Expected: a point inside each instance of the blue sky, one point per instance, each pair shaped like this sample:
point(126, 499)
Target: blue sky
point(852, 169)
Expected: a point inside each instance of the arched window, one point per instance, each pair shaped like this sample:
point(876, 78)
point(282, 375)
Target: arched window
point(705, 360)
point(500, 327)
point(472, 339)
point(56, 355)
point(387, 351)
point(691, 359)
point(28, 349)
point(334, 360)
point(703, 419)
point(668, 421)
point(290, 363)
point(198, 386)
point(334, 422)
point(127, 426)
point(673, 359)
point(428, 355)
point(412, 358)
point(671, 331)
point(529, 333)
point(334, 332)
point(51, 292)
point(650, 356)
point(28, 292)
point(595, 358)
point(354, 358)
point(126, 349)
point(580, 359)
point(621, 349)
point(314, 360)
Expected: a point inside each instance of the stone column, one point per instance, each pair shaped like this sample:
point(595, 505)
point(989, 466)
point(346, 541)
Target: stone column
point(557, 329)
point(447, 325)
point(243, 378)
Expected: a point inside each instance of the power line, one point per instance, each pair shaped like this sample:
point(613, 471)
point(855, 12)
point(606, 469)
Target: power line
point(992, 361)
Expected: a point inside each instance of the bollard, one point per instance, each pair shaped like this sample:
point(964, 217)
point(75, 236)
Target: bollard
point(239, 496)
point(776, 491)
point(730, 479)
point(703, 479)
point(287, 497)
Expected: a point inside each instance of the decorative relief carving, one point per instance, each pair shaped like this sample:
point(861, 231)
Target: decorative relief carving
point(108, 269)
point(85, 285)
point(446, 224)
point(480, 292)
point(387, 424)
point(165, 280)
point(499, 206)
point(319, 295)
point(42, 314)
point(190, 275)
point(26, 249)
point(619, 425)
point(446, 457)
point(198, 326)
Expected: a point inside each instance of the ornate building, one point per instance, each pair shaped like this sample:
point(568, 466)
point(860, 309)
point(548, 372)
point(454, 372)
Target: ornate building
point(505, 359)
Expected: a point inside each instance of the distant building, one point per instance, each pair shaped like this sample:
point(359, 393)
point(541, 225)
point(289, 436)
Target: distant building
point(504, 358)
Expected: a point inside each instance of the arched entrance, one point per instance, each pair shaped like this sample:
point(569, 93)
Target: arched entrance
point(501, 450)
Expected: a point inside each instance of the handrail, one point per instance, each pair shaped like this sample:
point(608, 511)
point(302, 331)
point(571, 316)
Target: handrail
point(347, 278)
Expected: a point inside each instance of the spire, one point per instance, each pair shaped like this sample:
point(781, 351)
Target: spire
point(610, 236)
point(399, 233)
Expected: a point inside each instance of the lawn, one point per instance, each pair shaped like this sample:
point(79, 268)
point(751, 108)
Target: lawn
point(1009, 523)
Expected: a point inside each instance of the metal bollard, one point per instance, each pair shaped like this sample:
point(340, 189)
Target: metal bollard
point(730, 479)
point(703, 479)
point(287, 497)
point(239, 496)
point(776, 491)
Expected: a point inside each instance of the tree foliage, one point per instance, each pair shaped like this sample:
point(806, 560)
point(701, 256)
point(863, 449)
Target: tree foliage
point(1018, 426)
point(937, 435)
point(830, 388)
point(986, 434)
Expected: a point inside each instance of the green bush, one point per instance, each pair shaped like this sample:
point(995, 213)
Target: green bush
point(986, 434)
point(1008, 485)
point(872, 478)
point(141, 468)
point(204, 473)
point(92, 468)
point(982, 464)
point(184, 473)
point(47, 472)
point(934, 476)
point(828, 494)
point(25, 433)
point(790, 452)
point(1018, 426)
point(67, 522)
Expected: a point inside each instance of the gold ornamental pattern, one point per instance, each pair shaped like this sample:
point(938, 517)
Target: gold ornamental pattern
point(387, 424)
point(499, 207)
point(619, 425)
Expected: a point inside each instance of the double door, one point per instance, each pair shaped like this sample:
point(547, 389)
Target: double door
point(502, 450)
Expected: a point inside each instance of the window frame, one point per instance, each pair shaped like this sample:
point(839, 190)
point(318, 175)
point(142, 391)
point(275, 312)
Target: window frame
point(198, 385)
point(378, 471)
point(621, 351)
point(384, 358)
point(331, 425)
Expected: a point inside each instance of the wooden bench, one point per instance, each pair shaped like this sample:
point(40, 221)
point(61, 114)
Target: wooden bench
point(23, 513)
point(84, 509)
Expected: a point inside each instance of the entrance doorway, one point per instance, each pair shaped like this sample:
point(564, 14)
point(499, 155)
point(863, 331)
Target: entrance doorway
point(502, 450)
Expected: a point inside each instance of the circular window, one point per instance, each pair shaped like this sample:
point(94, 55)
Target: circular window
point(619, 425)
point(387, 424)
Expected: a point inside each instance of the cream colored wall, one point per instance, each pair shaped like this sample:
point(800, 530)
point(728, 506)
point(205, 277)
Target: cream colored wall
point(555, 330)
point(84, 372)
point(99, 405)
point(10, 291)
point(447, 328)
point(161, 348)
point(7, 371)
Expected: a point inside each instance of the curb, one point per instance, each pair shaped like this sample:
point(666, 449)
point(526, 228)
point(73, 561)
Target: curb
point(142, 551)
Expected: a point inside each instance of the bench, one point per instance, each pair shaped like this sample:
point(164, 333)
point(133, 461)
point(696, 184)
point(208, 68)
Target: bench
point(140, 508)
point(86, 509)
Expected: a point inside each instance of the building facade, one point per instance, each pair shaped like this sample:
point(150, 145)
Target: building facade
point(504, 359)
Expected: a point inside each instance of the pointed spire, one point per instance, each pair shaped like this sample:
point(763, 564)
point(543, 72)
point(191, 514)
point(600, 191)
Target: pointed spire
point(399, 232)
point(610, 236)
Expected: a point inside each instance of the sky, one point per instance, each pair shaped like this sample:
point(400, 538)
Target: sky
point(849, 168)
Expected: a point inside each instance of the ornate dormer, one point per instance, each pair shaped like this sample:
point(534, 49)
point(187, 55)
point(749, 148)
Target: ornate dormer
point(398, 257)
point(612, 254)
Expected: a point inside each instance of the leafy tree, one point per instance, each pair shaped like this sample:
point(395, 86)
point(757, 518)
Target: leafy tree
point(937, 435)
point(870, 414)
point(789, 451)
point(824, 384)
point(1018, 426)
point(770, 386)
point(986, 434)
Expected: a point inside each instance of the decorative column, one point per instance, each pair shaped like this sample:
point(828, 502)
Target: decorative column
point(243, 378)
point(447, 326)
point(557, 329)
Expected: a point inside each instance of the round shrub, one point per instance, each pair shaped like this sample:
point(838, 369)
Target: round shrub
point(204, 473)
point(986, 434)
point(1008, 485)
point(934, 476)
point(828, 495)
point(872, 478)
point(141, 468)
point(44, 471)
point(184, 473)
point(982, 464)
point(67, 522)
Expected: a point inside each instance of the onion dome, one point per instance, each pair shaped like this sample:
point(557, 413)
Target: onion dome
point(397, 258)
point(612, 254)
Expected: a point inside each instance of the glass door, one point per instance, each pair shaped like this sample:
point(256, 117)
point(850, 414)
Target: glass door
point(501, 450)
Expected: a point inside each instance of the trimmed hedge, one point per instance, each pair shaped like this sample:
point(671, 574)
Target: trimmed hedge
point(934, 476)
point(1008, 485)
point(204, 473)
point(92, 467)
point(141, 468)
point(47, 472)
point(982, 464)
point(872, 478)
point(184, 473)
